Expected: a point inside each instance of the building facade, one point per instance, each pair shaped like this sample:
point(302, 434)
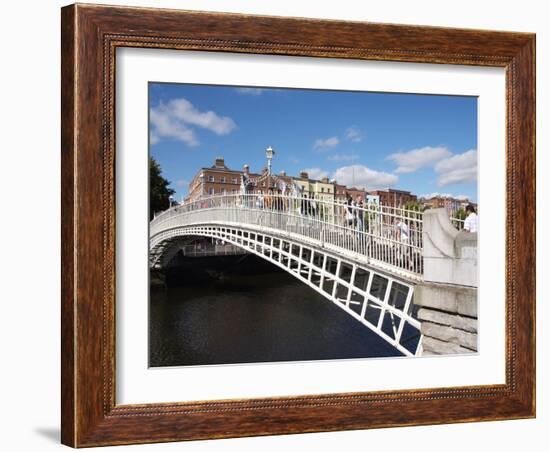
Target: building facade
point(316, 190)
point(447, 202)
point(394, 198)
point(437, 202)
point(339, 192)
point(322, 190)
point(218, 179)
point(265, 182)
point(357, 193)
point(215, 180)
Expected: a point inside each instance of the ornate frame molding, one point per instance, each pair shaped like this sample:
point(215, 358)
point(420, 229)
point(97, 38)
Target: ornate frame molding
point(90, 37)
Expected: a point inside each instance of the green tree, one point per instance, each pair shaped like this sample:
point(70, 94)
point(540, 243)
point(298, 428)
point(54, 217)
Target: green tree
point(413, 205)
point(461, 214)
point(159, 192)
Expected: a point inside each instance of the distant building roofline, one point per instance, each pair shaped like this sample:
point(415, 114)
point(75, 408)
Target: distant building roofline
point(221, 170)
point(392, 190)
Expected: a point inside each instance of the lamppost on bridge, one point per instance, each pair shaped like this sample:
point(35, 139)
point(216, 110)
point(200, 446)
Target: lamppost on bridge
point(269, 153)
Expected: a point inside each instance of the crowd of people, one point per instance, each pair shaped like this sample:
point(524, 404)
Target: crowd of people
point(351, 212)
point(354, 214)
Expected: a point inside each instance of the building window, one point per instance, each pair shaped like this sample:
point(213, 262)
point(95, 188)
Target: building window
point(222, 180)
point(211, 191)
point(234, 180)
point(210, 178)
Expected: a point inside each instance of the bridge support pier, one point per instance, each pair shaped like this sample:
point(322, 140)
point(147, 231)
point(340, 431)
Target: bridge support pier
point(447, 299)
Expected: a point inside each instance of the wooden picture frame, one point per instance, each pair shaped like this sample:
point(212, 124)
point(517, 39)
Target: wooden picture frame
point(90, 36)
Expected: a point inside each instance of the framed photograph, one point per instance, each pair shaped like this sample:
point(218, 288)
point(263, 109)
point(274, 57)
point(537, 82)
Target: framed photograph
point(282, 225)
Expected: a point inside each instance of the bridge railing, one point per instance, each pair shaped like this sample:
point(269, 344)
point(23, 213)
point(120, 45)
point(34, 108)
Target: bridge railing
point(457, 223)
point(389, 235)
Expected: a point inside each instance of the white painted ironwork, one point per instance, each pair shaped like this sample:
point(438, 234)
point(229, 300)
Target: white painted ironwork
point(457, 223)
point(379, 301)
point(388, 238)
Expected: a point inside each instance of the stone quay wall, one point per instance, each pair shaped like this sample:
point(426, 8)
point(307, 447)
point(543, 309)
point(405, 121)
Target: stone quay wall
point(447, 299)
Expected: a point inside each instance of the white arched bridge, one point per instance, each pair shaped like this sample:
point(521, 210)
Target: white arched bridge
point(366, 260)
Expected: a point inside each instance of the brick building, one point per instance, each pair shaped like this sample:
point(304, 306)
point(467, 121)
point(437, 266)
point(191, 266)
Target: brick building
point(394, 198)
point(263, 182)
point(435, 202)
point(339, 192)
point(218, 179)
point(215, 180)
point(448, 202)
point(357, 192)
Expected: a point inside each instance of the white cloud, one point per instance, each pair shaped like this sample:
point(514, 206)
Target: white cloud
point(364, 177)
point(181, 183)
point(436, 195)
point(354, 134)
point(460, 168)
point(153, 137)
point(164, 125)
point(176, 118)
point(251, 91)
point(325, 143)
point(444, 195)
point(315, 173)
point(411, 161)
point(343, 157)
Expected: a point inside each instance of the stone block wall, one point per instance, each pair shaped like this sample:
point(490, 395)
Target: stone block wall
point(448, 316)
point(447, 299)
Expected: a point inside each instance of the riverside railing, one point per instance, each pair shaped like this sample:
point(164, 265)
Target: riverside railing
point(388, 235)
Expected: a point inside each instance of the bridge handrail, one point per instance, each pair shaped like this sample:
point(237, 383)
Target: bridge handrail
point(391, 235)
point(372, 207)
point(457, 222)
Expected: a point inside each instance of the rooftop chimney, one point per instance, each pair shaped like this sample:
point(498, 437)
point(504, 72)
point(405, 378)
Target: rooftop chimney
point(219, 163)
point(303, 175)
point(325, 180)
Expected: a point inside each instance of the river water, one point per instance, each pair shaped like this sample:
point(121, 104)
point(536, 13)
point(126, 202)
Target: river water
point(241, 309)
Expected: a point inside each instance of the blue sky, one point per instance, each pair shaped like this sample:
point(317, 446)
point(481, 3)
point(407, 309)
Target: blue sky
point(423, 143)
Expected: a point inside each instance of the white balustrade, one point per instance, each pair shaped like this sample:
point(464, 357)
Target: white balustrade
point(388, 236)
